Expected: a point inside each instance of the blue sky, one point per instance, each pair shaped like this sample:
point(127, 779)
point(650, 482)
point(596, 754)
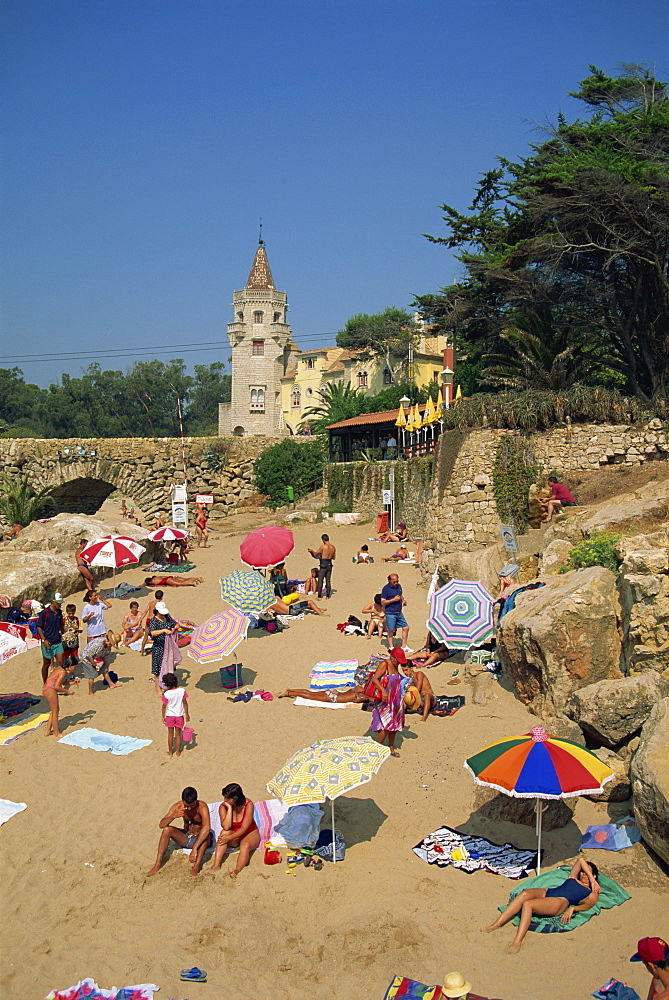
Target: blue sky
point(143, 140)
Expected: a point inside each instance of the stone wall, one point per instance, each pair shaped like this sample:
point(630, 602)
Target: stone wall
point(85, 471)
point(461, 514)
point(364, 482)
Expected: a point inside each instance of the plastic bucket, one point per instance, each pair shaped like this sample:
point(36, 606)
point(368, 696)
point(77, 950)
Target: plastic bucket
point(187, 734)
point(231, 676)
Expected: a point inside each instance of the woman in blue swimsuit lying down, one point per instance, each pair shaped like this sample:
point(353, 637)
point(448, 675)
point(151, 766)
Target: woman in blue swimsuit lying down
point(579, 892)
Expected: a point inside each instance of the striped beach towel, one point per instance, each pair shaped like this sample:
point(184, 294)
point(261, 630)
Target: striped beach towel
point(340, 673)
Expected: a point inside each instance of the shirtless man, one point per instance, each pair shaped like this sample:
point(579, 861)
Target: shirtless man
point(402, 553)
point(196, 833)
point(173, 581)
point(423, 686)
point(326, 554)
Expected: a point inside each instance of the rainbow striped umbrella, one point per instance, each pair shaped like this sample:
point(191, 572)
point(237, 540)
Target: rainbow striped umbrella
point(539, 766)
point(218, 636)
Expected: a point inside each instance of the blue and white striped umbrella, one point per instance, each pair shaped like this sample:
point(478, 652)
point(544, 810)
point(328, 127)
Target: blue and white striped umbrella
point(247, 591)
point(461, 614)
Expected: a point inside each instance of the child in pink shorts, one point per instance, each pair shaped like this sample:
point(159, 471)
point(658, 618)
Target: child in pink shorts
point(175, 710)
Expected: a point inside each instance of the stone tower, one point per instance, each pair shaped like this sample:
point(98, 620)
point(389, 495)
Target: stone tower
point(262, 347)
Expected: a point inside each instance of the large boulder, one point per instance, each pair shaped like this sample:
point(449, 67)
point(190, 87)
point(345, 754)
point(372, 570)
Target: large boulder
point(491, 805)
point(555, 556)
point(484, 565)
point(619, 788)
point(610, 711)
point(650, 780)
point(41, 560)
point(645, 508)
point(643, 586)
point(562, 637)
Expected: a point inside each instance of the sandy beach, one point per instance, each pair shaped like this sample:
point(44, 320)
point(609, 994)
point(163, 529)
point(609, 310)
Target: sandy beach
point(76, 899)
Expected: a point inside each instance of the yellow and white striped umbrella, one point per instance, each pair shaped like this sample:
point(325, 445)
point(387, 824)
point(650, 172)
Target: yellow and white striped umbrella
point(328, 769)
point(428, 413)
point(401, 418)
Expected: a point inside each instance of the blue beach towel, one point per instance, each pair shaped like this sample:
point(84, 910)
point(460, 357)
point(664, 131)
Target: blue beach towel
point(94, 739)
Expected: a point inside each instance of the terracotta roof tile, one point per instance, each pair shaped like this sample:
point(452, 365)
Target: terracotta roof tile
point(383, 417)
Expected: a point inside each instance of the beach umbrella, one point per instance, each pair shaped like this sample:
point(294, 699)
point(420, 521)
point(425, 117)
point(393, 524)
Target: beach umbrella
point(112, 550)
point(247, 591)
point(401, 422)
point(538, 766)
point(11, 645)
point(461, 614)
point(267, 547)
point(326, 770)
point(218, 636)
point(167, 534)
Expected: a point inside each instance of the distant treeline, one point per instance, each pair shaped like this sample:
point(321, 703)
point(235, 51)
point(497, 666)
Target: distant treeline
point(140, 402)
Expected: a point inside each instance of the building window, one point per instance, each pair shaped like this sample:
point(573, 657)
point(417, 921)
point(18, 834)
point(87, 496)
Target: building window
point(310, 392)
point(295, 397)
point(257, 317)
point(387, 377)
point(362, 380)
point(240, 316)
point(310, 362)
point(436, 377)
point(257, 404)
point(258, 348)
point(277, 318)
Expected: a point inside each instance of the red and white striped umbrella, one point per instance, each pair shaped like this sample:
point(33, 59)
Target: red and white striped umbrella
point(167, 534)
point(112, 550)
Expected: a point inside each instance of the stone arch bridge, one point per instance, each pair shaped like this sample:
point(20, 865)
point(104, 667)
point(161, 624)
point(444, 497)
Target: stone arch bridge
point(83, 472)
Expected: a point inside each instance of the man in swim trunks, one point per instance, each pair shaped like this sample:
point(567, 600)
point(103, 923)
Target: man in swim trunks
point(50, 630)
point(196, 834)
point(173, 581)
point(326, 554)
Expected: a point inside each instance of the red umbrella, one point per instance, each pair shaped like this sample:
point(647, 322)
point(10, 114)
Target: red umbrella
point(112, 550)
point(267, 547)
point(167, 534)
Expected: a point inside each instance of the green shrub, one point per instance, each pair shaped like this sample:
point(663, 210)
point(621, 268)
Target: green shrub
point(513, 473)
point(289, 463)
point(598, 550)
point(336, 508)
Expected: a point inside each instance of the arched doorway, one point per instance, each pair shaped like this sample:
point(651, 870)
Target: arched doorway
point(79, 496)
point(238, 431)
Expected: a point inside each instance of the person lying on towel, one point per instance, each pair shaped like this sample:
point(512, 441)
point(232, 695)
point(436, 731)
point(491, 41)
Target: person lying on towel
point(354, 695)
point(579, 892)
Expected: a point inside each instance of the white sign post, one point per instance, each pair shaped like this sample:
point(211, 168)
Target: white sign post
point(179, 507)
point(509, 538)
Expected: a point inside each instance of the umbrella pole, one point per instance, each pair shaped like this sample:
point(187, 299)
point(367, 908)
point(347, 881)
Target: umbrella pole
point(334, 855)
point(540, 812)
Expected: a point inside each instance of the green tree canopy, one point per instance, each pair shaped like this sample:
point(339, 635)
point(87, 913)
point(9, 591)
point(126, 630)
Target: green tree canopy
point(290, 463)
point(386, 337)
point(580, 227)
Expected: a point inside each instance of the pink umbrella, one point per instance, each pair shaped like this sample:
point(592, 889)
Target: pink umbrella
point(167, 534)
point(267, 547)
point(112, 550)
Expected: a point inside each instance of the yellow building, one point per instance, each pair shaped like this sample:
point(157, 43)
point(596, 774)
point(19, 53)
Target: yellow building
point(311, 371)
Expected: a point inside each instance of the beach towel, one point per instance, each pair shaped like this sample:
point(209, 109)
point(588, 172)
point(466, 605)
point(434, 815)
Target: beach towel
point(611, 895)
point(122, 590)
point(484, 855)
point(94, 739)
point(307, 703)
point(170, 568)
point(266, 814)
point(615, 990)
point(88, 989)
point(9, 809)
point(411, 989)
point(11, 730)
point(336, 674)
point(16, 704)
point(612, 836)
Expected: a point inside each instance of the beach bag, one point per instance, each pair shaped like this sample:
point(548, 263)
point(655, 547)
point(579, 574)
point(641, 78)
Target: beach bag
point(324, 845)
point(371, 690)
point(445, 705)
point(113, 675)
point(352, 620)
point(362, 673)
point(272, 856)
point(231, 676)
point(299, 827)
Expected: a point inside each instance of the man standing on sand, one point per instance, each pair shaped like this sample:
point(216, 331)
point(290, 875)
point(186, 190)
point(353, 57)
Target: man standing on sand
point(196, 834)
point(654, 953)
point(50, 630)
point(393, 604)
point(326, 554)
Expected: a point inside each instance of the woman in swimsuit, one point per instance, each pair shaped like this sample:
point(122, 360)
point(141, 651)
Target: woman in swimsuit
point(354, 696)
point(201, 528)
point(377, 619)
point(53, 686)
point(83, 566)
point(238, 828)
point(173, 581)
point(433, 652)
point(579, 892)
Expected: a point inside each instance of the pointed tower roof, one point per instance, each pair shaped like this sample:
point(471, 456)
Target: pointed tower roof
point(260, 275)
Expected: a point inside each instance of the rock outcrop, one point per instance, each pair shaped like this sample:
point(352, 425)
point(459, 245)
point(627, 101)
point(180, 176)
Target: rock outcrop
point(562, 637)
point(619, 788)
point(643, 586)
point(649, 772)
point(610, 711)
point(495, 806)
point(555, 556)
point(41, 560)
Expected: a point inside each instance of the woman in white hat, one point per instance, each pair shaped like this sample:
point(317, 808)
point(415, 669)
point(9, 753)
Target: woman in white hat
point(455, 986)
point(161, 625)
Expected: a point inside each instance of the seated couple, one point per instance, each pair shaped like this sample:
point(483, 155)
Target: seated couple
point(294, 604)
point(238, 829)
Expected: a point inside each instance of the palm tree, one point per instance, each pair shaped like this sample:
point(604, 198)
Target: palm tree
point(19, 502)
point(542, 357)
point(335, 403)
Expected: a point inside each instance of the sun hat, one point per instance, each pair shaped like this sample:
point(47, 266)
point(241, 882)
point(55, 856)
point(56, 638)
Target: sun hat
point(412, 697)
point(651, 949)
point(455, 985)
point(162, 608)
point(509, 570)
point(399, 654)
